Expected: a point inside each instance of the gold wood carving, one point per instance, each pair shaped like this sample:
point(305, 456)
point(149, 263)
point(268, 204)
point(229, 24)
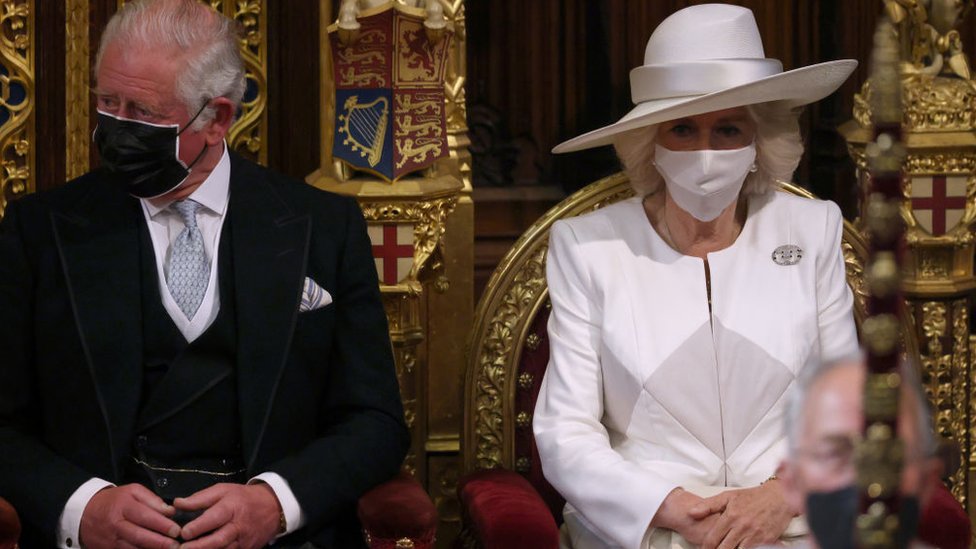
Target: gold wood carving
point(76, 72)
point(17, 132)
point(944, 359)
point(927, 38)
point(403, 314)
point(443, 490)
point(454, 86)
point(951, 161)
point(956, 161)
point(931, 104)
point(854, 263)
point(498, 350)
point(249, 134)
point(429, 218)
point(971, 379)
point(959, 382)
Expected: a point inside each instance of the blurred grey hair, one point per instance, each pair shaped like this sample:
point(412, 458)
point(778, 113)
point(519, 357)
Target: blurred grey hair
point(779, 148)
point(796, 402)
point(209, 41)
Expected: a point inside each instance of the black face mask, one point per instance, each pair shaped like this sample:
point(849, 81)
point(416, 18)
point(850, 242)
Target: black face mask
point(141, 157)
point(831, 517)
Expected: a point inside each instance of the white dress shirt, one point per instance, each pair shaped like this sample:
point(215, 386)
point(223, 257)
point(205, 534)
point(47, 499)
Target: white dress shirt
point(164, 226)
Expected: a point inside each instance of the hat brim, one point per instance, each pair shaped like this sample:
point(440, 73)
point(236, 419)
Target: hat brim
point(794, 88)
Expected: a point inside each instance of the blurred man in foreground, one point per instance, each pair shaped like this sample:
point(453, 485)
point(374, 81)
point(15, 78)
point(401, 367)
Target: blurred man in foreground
point(825, 422)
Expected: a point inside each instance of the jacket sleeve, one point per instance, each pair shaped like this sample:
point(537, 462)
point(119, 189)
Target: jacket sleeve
point(362, 435)
point(617, 496)
point(835, 302)
point(36, 480)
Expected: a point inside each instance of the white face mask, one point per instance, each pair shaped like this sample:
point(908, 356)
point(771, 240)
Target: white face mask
point(703, 183)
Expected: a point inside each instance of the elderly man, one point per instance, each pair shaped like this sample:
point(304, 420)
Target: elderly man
point(825, 420)
point(194, 347)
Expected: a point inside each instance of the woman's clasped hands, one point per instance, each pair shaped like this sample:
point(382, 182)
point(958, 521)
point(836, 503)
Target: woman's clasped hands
point(747, 517)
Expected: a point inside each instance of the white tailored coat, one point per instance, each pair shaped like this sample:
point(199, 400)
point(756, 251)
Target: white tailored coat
point(646, 390)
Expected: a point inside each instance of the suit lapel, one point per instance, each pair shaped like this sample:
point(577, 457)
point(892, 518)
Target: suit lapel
point(270, 244)
point(99, 245)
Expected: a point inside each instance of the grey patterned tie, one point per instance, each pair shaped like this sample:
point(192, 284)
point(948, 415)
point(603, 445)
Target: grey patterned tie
point(188, 273)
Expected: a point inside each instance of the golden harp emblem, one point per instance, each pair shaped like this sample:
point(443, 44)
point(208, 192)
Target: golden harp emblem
point(390, 116)
point(364, 126)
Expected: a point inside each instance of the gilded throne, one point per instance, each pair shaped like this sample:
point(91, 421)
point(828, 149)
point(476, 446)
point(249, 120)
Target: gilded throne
point(505, 499)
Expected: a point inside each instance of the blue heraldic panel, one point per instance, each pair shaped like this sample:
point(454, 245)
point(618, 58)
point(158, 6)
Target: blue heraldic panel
point(363, 129)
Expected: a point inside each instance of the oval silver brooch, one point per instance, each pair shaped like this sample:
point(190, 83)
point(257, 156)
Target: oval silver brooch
point(787, 254)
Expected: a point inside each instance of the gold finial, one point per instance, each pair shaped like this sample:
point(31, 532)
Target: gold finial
point(928, 35)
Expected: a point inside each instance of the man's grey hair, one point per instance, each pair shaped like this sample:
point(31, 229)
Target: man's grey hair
point(797, 399)
point(209, 41)
point(779, 148)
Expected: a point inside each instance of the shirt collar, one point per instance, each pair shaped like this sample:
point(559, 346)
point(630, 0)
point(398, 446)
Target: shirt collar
point(213, 194)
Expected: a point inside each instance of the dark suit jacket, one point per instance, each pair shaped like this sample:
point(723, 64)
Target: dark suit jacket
point(319, 401)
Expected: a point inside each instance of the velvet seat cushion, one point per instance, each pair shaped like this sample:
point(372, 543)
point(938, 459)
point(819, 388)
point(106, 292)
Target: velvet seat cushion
point(506, 512)
point(944, 523)
point(9, 525)
point(397, 509)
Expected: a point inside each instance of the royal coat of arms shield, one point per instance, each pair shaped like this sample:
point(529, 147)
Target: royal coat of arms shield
point(389, 82)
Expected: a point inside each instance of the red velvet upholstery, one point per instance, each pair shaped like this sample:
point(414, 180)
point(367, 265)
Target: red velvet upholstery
point(944, 522)
point(9, 525)
point(503, 511)
point(398, 509)
point(533, 361)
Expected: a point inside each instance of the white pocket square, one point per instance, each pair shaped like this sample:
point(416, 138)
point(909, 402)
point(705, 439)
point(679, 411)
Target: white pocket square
point(313, 296)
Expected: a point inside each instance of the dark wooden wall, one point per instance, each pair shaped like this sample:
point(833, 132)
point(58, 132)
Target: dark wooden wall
point(557, 68)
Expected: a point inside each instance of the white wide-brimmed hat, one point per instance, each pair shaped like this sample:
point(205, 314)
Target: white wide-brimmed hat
point(706, 58)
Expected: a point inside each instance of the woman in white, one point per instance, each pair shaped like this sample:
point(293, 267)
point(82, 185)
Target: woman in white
point(681, 317)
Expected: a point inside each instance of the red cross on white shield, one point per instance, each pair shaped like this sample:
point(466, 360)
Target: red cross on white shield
point(392, 250)
point(939, 202)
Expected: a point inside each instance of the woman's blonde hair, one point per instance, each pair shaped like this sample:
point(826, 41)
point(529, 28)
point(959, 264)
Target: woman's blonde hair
point(779, 148)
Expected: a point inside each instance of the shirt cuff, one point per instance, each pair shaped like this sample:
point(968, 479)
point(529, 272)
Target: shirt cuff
point(69, 524)
point(294, 517)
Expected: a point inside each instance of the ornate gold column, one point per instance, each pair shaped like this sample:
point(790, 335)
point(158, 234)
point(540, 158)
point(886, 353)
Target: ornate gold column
point(430, 305)
point(249, 134)
point(938, 207)
point(17, 97)
point(77, 70)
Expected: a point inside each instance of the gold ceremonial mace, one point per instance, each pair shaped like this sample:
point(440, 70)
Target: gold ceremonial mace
point(880, 454)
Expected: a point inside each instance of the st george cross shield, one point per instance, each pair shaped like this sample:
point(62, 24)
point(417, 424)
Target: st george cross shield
point(390, 111)
point(392, 251)
point(939, 202)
